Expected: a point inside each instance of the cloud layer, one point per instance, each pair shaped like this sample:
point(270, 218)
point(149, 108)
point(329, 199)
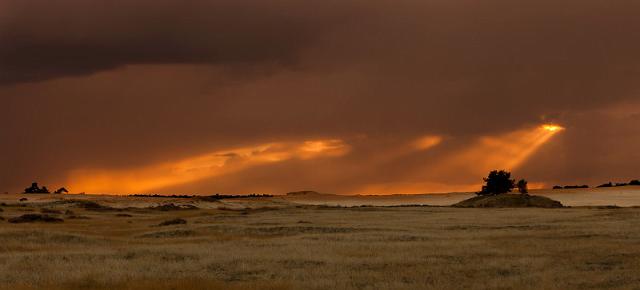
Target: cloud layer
point(125, 84)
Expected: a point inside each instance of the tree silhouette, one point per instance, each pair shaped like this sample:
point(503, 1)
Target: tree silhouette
point(35, 189)
point(61, 190)
point(497, 182)
point(523, 186)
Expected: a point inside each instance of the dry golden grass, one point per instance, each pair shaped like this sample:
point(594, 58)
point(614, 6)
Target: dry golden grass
point(286, 246)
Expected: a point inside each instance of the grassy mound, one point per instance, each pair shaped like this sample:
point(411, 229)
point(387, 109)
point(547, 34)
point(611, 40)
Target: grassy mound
point(509, 200)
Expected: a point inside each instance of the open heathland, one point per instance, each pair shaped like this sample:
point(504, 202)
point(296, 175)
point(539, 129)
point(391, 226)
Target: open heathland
point(274, 243)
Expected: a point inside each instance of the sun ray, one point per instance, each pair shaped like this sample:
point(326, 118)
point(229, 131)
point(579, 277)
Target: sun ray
point(157, 176)
point(507, 151)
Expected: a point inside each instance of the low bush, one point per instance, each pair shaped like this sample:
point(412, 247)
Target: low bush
point(171, 206)
point(51, 211)
point(31, 218)
point(177, 221)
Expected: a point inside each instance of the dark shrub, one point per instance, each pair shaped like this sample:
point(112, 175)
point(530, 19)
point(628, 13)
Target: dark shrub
point(523, 186)
point(51, 211)
point(61, 190)
point(171, 207)
point(94, 206)
point(634, 182)
point(78, 217)
point(31, 218)
point(173, 222)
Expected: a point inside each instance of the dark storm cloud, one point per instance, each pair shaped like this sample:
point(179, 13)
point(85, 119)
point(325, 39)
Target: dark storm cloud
point(113, 84)
point(43, 39)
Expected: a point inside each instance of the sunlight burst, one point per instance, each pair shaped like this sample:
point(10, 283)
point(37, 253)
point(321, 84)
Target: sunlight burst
point(552, 127)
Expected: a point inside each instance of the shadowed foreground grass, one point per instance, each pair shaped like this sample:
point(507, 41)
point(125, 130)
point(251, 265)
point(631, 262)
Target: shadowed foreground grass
point(182, 284)
point(309, 247)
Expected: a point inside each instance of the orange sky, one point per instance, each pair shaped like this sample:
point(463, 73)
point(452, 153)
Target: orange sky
point(506, 151)
point(340, 96)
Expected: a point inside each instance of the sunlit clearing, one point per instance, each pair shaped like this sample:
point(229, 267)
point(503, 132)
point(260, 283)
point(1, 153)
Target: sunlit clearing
point(157, 176)
point(427, 142)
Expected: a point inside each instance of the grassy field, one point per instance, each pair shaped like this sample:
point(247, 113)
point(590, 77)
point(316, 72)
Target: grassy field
point(270, 243)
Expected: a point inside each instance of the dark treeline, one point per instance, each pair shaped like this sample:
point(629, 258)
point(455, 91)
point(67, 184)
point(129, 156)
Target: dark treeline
point(634, 182)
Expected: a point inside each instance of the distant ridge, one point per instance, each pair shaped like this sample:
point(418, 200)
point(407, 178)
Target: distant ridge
point(305, 192)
